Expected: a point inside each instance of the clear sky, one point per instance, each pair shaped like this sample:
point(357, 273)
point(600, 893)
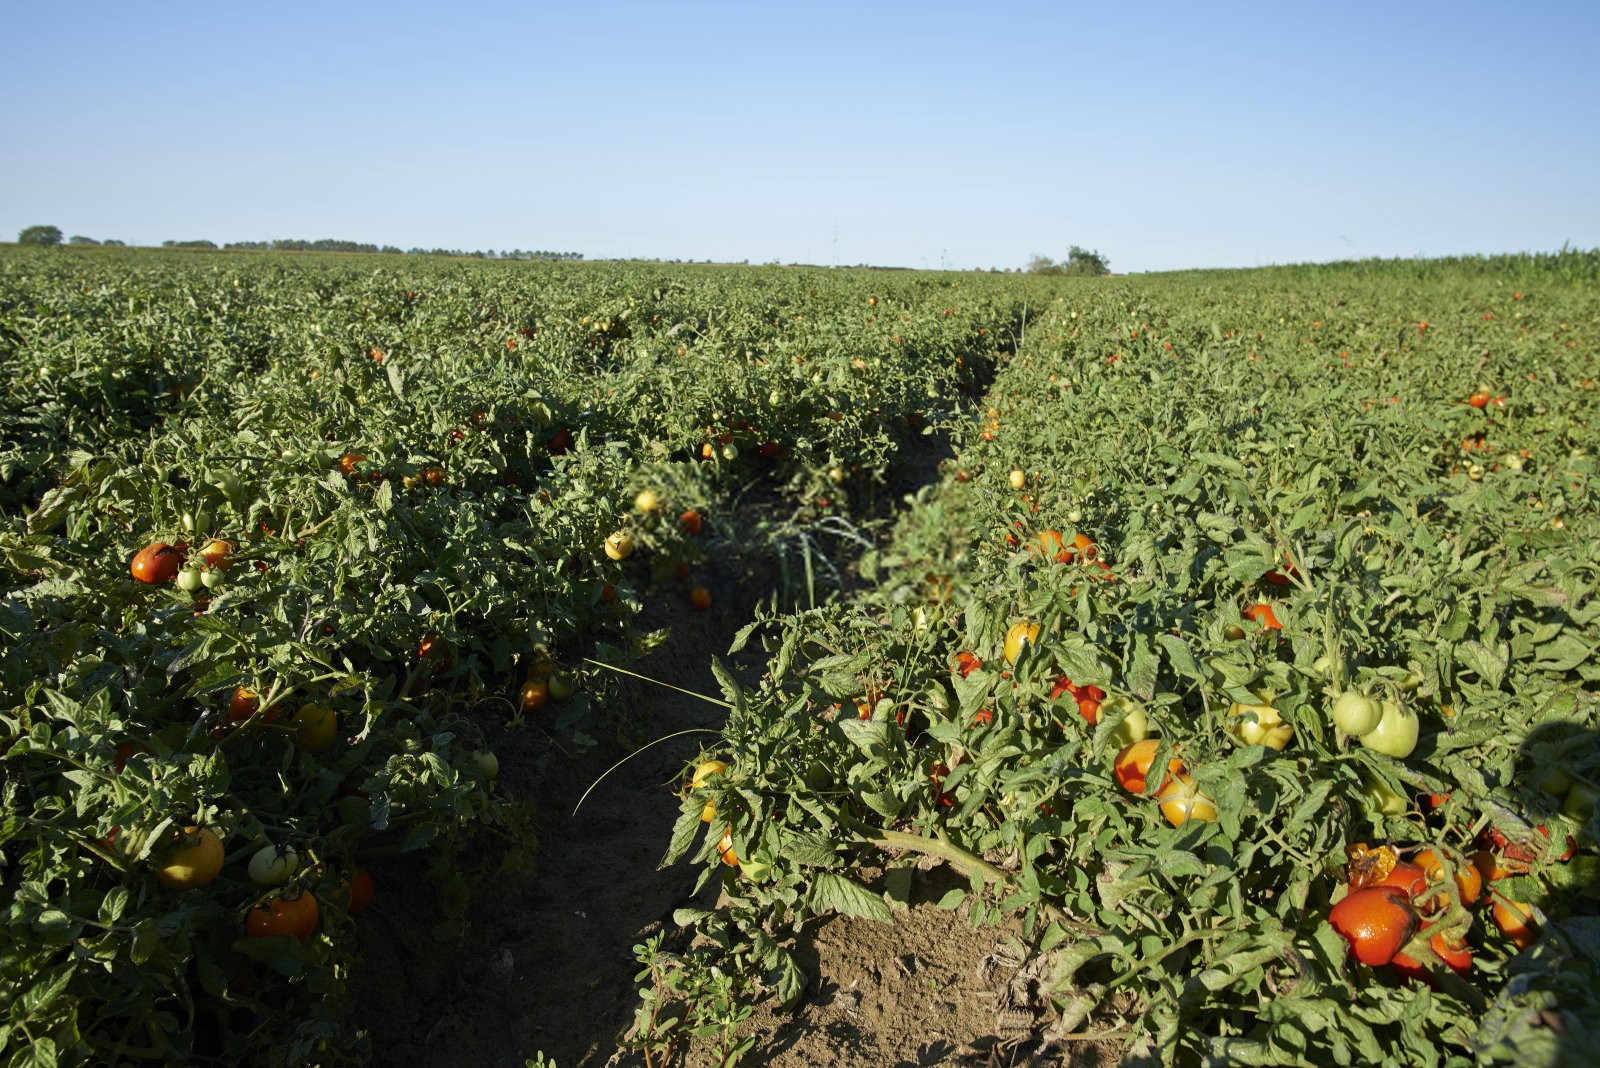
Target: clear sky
point(1165, 135)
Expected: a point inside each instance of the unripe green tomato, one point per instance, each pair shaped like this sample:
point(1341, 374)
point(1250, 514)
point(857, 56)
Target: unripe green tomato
point(1580, 802)
point(211, 578)
point(1556, 782)
point(1355, 714)
point(1382, 799)
point(1396, 732)
point(190, 579)
point(730, 452)
point(1135, 728)
point(486, 762)
point(562, 686)
point(273, 865)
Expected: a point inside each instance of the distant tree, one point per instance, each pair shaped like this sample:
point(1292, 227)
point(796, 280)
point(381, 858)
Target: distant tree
point(1079, 261)
point(112, 242)
point(40, 235)
point(79, 239)
point(1082, 261)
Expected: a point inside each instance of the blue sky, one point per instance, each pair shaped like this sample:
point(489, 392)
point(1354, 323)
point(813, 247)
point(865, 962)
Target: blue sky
point(1164, 135)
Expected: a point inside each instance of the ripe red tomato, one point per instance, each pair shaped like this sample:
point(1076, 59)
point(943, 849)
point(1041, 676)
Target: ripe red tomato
point(360, 891)
point(691, 523)
point(966, 663)
point(294, 917)
point(157, 562)
point(1376, 922)
point(700, 598)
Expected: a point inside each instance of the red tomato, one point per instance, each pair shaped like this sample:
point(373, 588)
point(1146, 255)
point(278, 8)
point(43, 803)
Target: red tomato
point(157, 562)
point(1376, 922)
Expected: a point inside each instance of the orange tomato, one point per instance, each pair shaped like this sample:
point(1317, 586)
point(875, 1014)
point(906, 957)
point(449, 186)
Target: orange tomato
point(281, 916)
point(1469, 881)
point(1263, 614)
point(1132, 766)
point(533, 695)
point(1515, 918)
point(700, 598)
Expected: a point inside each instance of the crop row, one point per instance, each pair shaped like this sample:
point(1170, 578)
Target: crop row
point(1323, 547)
point(284, 539)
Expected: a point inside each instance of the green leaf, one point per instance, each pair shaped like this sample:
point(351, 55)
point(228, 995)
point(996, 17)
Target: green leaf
point(832, 893)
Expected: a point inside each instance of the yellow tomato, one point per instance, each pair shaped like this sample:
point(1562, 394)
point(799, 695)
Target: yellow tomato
point(316, 728)
point(1181, 801)
point(619, 545)
point(194, 862)
point(646, 502)
point(1259, 725)
point(1019, 637)
point(703, 772)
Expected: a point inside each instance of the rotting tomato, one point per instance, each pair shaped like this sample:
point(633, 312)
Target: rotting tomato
point(157, 562)
point(282, 916)
point(1376, 922)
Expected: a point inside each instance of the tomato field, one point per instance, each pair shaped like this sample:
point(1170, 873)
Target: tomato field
point(1242, 650)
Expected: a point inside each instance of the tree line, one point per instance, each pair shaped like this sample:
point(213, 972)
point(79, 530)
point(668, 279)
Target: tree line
point(51, 235)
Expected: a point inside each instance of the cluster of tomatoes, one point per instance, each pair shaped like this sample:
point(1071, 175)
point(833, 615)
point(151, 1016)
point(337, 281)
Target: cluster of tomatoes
point(648, 505)
point(195, 859)
point(159, 563)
